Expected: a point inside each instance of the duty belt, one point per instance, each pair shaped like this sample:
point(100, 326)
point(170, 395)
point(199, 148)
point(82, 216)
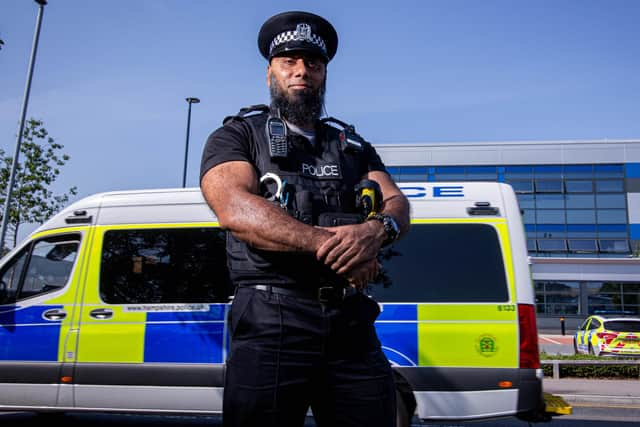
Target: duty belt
point(324, 294)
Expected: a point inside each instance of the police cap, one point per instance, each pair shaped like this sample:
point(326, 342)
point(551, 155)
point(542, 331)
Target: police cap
point(297, 31)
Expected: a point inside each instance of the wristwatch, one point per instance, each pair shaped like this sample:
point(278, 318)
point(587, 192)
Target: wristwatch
point(390, 225)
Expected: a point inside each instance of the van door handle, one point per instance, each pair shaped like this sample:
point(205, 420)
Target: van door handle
point(54, 314)
point(101, 313)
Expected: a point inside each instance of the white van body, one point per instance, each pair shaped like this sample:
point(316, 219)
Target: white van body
point(119, 303)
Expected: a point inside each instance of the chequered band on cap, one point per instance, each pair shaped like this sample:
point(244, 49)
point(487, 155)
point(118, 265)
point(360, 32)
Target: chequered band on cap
point(301, 33)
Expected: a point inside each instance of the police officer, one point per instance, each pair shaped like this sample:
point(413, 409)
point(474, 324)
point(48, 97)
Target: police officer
point(284, 183)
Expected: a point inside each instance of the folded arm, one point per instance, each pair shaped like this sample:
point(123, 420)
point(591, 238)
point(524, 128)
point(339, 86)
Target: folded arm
point(231, 190)
point(353, 246)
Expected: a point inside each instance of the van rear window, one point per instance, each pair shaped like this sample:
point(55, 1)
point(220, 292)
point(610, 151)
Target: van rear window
point(185, 265)
point(443, 263)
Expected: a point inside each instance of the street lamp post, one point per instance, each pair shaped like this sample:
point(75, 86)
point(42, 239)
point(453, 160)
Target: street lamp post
point(186, 147)
point(25, 102)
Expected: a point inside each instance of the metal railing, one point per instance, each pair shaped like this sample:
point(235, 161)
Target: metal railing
point(556, 364)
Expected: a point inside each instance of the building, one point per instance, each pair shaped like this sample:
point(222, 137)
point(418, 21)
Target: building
point(581, 209)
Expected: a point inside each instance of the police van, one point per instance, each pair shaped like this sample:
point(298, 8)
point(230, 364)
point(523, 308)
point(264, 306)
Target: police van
point(119, 303)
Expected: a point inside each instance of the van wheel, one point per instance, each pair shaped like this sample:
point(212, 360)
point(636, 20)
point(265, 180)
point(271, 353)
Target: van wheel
point(403, 418)
point(575, 347)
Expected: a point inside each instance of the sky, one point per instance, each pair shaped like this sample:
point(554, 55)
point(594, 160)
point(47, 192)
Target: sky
point(111, 77)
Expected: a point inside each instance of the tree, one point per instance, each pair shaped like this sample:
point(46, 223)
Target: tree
point(39, 163)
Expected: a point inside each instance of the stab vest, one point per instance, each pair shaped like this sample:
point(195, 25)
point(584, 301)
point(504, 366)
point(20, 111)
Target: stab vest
point(318, 189)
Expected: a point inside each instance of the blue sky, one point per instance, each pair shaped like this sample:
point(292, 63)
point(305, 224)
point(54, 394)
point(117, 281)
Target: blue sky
point(111, 76)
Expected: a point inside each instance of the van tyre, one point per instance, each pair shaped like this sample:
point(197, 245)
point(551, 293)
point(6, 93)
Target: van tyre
point(575, 347)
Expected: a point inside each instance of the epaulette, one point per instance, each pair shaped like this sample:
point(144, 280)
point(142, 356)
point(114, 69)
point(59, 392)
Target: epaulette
point(349, 138)
point(251, 110)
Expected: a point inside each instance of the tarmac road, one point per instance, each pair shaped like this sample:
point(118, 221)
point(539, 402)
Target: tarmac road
point(581, 417)
point(556, 344)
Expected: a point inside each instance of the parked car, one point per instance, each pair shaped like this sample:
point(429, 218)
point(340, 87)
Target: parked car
point(608, 336)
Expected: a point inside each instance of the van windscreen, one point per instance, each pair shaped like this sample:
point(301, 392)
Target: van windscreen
point(445, 263)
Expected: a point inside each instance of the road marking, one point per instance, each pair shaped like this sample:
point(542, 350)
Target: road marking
point(550, 340)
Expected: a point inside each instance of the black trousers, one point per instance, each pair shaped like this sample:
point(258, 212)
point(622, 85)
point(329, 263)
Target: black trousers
point(290, 354)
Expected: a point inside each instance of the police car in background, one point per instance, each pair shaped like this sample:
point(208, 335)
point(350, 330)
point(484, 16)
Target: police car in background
point(119, 303)
point(608, 336)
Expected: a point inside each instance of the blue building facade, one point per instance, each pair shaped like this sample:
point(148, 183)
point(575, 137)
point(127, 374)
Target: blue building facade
point(581, 209)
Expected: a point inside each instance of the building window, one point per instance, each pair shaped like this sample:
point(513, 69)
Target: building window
point(613, 298)
point(580, 201)
point(583, 246)
point(614, 246)
point(548, 186)
point(609, 171)
point(581, 230)
point(610, 186)
point(550, 216)
point(481, 173)
point(585, 216)
point(521, 186)
point(518, 172)
point(613, 230)
point(529, 216)
point(408, 173)
point(578, 171)
point(552, 245)
point(612, 216)
point(549, 201)
point(526, 201)
point(450, 173)
point(557, 298)
point(618, 201)
point(413, 173)
point(607, 298)
point(578, 186)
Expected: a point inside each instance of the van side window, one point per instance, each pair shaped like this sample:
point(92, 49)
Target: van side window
point(171, 265)
point(443, 263)
point(10, 277)
point(49, 263)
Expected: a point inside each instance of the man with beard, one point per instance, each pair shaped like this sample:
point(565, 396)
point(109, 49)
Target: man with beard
point(300, 251)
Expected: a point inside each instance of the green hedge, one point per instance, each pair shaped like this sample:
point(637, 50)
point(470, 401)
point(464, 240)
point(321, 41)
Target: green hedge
point(590, 371)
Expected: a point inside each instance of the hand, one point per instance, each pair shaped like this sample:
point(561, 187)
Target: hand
point(363, 274)
point(351, 245)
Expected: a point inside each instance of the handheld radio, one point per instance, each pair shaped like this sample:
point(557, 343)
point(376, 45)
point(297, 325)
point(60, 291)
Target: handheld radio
point(277, 133)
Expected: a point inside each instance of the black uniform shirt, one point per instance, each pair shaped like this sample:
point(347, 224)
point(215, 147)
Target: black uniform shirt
point(233, 141)
point(238, 140)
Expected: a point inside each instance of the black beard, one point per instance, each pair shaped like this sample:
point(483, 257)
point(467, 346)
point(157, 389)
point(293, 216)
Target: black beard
point(305, 107)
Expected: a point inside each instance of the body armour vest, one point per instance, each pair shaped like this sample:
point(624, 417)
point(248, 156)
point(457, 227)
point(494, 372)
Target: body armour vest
point(318, 189)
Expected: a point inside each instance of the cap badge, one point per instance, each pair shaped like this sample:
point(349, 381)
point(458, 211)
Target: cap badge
point(303, 32)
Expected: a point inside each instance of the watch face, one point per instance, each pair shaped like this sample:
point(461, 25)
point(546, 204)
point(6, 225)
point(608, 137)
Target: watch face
point(391, 227)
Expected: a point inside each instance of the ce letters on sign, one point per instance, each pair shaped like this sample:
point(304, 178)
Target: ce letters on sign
point(419, 192)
